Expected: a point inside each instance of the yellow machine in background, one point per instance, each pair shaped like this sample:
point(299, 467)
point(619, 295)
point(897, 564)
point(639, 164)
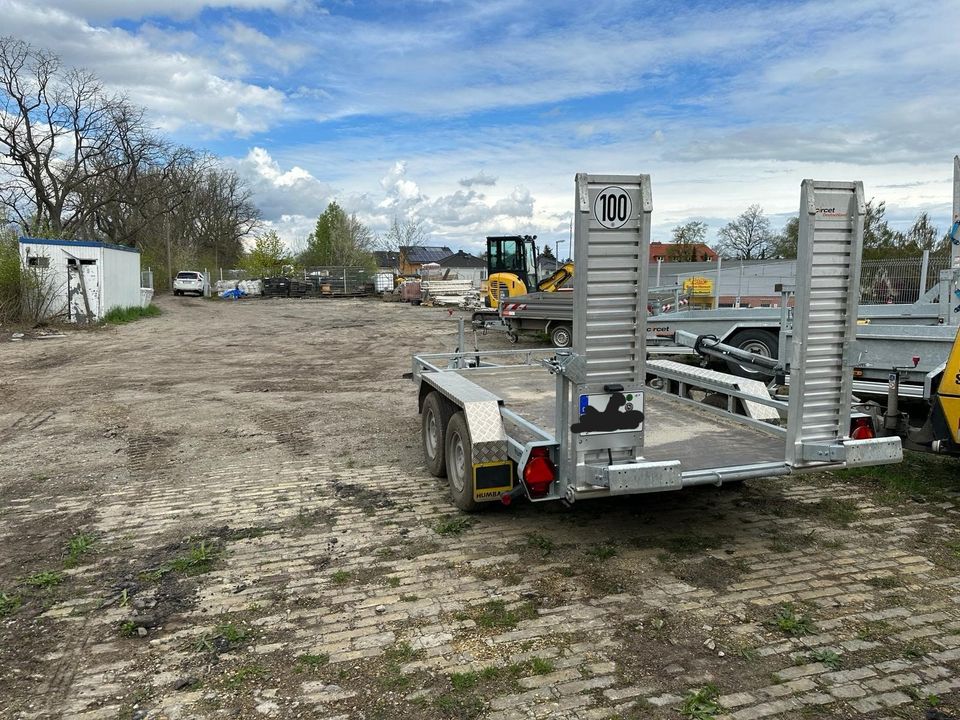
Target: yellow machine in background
point(512, 269)
point(945, 413)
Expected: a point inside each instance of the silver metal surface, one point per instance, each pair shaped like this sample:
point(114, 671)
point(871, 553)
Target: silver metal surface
point(458, 389)
point(825, 315)
point(611, 241)
point(635, 477)
point(754, 394)
point(487, 437)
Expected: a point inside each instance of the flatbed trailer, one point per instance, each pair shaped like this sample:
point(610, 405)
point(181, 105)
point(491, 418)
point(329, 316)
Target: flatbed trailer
point(601, 420)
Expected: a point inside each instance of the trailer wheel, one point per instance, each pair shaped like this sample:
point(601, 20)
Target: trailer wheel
point(513, 337)
point(759, 342)
point(561, 336)
point(459, 458)
point(433, 428)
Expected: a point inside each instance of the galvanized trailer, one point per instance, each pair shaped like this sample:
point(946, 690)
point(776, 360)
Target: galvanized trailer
point(601, 419)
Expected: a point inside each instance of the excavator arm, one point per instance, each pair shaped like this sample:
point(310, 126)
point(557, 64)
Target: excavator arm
point(557, 280)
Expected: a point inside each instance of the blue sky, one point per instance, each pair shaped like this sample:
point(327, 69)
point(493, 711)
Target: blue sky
point(473, 117)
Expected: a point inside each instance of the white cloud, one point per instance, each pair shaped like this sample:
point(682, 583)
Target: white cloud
point(481, 179)
point(182, 89)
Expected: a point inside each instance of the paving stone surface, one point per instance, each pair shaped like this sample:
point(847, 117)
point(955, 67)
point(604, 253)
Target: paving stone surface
point(264, 542)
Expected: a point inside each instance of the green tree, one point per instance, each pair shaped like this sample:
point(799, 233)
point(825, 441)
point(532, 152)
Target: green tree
point(338, 239)
point(785, 242)
point(547, 251)
point(879, 240)
point(686, 241)
point(268, 254)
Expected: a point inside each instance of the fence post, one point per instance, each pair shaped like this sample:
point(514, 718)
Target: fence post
point(924, 267)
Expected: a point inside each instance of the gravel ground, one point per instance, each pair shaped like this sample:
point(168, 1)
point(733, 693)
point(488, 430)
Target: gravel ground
point(223, 512)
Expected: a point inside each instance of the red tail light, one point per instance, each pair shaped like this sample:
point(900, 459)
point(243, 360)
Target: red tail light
point(539, 472)
point(862, 429)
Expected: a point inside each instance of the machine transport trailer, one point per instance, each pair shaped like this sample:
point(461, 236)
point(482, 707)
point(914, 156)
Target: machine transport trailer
point(584, 422)
point(888, 336)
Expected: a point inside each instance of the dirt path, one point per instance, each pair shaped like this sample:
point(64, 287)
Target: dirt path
point(222, 512)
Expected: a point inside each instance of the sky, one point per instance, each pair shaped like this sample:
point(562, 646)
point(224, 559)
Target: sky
point(473, 117)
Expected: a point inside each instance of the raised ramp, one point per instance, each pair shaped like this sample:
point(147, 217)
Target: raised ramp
point(697, 375)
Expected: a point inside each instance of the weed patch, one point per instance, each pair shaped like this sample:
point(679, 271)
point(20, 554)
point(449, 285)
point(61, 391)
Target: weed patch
point(45, 579)
point(244, 674)
point(602, 552)
point(884, 583)
point(920, 474)
point(453, 525)
point(701, 704)
point(311, 662)
point(496, 615)
point(121, 315)
point(789, 623)
point(828, 658)
point(9, 604)
point(78, 546)
point(539, 542)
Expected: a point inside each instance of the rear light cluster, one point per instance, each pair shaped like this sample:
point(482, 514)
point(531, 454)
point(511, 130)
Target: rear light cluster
point(862, 429)
point(539, 472)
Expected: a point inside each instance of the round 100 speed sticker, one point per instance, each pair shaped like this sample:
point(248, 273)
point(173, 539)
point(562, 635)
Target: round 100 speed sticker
point(613, 207)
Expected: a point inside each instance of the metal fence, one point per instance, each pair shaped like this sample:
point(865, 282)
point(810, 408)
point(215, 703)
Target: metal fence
point(324, 281)
point(900, 280)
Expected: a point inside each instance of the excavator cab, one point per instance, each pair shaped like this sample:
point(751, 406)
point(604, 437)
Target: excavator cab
point(511, 267)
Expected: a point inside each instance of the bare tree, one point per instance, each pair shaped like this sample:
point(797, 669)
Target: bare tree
point(402, 233)
point(686, 241)
point(69, 149)
point(748, 237)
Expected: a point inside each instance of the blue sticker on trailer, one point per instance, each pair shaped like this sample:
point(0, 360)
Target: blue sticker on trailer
point(609, 412)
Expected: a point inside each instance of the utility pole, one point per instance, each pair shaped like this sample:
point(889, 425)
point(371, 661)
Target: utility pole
point(716, 297)
point(659, 263)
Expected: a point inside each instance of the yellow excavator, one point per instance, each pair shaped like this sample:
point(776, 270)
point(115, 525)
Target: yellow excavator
point(512, 269)
point(945, 410)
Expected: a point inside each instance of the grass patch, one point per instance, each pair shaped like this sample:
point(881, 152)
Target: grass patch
point(128, 628)
point(495, 615)
point(787, 541)
point(311, 662)
point(828, 658)
point(78, 546)
point(245, 673)
point(198, 560)
point(539, 542)
point(45, 579)
point(701, 704)
point(453, 525)
point(601, 553)
point(874, 630)
point(541, 666)
point(885, 582)
point(121, 315)
point(340, 577)
point(920, 474)
point(789, 623)
point(396, 656)
point(834, 510)
point(9, 604)
point(393, 581)
point(464, 681)
point(916, 649)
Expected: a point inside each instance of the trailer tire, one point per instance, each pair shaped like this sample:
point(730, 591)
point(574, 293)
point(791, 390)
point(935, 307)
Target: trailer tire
point(561, 336)
point(459, 458)
point(433, 432)
point(759, 342)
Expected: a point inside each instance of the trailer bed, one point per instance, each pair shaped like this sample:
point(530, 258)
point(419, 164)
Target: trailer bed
point(673, 430)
